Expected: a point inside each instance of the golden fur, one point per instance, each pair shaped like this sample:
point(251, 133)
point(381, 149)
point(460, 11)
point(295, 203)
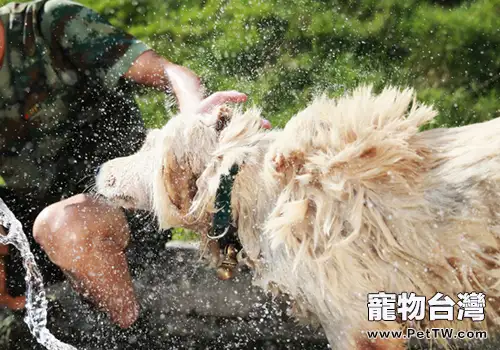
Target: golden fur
point(348, 199)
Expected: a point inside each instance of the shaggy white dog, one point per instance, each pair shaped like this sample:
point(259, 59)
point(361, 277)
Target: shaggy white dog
point(348, 199)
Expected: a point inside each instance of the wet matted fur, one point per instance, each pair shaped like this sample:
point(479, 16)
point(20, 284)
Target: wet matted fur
point(350, 198)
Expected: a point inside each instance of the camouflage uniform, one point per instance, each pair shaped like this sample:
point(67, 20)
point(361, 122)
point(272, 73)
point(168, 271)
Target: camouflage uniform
point(64, 108)
point(63, 63)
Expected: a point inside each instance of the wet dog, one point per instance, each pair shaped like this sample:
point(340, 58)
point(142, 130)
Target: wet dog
point(350, 198)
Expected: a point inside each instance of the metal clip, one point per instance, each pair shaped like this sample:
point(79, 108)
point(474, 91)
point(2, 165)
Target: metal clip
point(226, 269)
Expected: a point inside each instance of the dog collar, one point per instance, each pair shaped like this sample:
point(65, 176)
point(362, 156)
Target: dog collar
point(223, 230)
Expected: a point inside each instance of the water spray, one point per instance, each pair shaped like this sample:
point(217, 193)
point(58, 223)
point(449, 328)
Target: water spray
point(36, 301)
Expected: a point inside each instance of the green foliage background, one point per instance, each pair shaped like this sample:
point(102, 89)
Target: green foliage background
point(281, 52)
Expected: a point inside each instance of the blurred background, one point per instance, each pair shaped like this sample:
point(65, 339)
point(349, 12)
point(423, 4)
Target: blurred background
point(282, 52)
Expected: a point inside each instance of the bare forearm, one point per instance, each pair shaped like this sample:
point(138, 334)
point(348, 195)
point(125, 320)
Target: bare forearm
point(149, 70)
point(152, 70)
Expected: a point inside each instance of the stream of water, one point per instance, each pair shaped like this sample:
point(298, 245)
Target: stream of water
point(36, 302)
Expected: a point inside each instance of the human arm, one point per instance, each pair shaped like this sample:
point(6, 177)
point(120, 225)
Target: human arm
point(93, 45)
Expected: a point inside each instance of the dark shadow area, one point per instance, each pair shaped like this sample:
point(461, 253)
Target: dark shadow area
point(184, 306)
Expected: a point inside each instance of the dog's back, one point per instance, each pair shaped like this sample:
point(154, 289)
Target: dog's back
point(366, 202)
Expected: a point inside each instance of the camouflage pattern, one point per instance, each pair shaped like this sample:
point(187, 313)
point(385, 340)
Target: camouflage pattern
point(62, 66)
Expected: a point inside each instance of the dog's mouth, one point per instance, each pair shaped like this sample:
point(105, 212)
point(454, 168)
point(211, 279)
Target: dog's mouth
point(126, 201)
point(122, 200)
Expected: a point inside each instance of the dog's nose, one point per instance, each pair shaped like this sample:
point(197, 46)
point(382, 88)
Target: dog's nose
point(96, 170)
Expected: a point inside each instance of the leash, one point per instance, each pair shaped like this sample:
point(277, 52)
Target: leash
point(223, 230)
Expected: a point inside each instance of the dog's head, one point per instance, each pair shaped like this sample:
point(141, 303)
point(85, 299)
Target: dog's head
point(180, 164)
point(177, 170)
point(168, 164)
point(126, 181)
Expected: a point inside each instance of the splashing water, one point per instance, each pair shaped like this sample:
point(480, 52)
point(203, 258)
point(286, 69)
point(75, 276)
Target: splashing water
point(36, 302)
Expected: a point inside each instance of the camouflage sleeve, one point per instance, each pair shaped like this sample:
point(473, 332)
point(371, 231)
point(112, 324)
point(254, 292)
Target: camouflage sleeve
point(90, 42)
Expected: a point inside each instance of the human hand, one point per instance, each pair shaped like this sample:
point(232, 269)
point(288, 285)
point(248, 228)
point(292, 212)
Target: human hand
point(221, 97)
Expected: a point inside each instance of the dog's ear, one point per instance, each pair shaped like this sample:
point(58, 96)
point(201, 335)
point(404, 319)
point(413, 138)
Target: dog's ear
point(180, 183)
point(174, 188)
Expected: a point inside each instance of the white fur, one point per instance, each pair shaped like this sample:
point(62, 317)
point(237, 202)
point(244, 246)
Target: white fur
point(349, 199)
